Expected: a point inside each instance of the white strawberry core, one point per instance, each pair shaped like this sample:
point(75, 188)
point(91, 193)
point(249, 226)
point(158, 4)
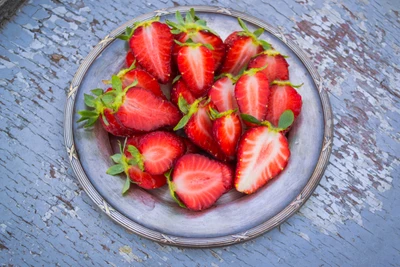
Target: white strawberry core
point(195, 59)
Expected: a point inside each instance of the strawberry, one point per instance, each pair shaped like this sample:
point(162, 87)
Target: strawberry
point(283, 97)
point(228, 174)
point(190, 147)
point(195, 29)
point(198, 126)
point(263, 153)
point(144, 79)
point(222, 93)
point(227, 130)
point(196, 65)
point(197, 181)
point(180, 88)
point(158, 151)
point(252, 92)
point(107, 117)
point(241, 47)
point(277, 66)
point(130, 59)
point(125, 162)
point(151, 43)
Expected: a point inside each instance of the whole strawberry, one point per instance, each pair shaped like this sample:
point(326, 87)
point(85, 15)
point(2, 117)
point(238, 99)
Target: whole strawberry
point(191, 27)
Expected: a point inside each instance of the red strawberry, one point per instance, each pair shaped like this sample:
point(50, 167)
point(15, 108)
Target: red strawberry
point(144, 179)
point(159, 150)
point(180, 88)
point(143, 111)
point(252, 92)
point(190, 147)
point(129, 59)
point(228, 174)
point(198, 127)
point(283, 97)
point(197, 181)
point(106, 115)
point(195, 29)
point(222, 94)
point(151, 44)
point(262, 154)
point(241, 47)
point(277, 67)
point(196, 65)
point(227, 130)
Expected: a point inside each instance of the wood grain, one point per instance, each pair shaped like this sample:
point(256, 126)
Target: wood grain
point(352, 219)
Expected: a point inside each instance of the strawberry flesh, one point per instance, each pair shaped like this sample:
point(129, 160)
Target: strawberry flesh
point(227, 131)
point(222, 94)
point(144, 79)
point(112, 125)
point(227, 176)
point(198, 181)
point(143, 111)
point(160, 150)
point(180, 88)
point(277, 66)
point(262, 155)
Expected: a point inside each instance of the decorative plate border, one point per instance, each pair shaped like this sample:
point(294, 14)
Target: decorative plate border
point(185, 241)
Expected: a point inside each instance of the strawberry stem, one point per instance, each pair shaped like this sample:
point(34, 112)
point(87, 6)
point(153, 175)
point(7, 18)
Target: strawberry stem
point(214, 114)
point(284, 83)
point(285, 121)
point(188, 110)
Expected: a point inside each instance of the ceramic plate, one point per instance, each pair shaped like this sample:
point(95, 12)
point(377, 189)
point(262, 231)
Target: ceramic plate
point(235, 217)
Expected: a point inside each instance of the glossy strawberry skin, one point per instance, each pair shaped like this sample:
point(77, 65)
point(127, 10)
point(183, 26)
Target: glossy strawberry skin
point(283, 98)
point(144, 111)
point(146, 180)
point(203, 37)
point(277, 66)
point(222, 94)
point(152, 45)
point(144, 79)
point(113, 125)
point(227, 131)
point(262, 155)
point(239, 53)
point(228, 175)
point(180, 88)
point(252, 94)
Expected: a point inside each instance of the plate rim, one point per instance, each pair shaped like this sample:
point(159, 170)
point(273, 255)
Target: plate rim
point(199, 242)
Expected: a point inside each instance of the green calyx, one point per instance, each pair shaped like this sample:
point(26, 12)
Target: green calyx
point(130, 30)
point(287, 83)
point(190, 25)
point(253, 71)
point(190, 43)
point(214, 114)
point(114, 98)
point(188, 110)
point(285, 121)
point(94, 102)
point(230, 76)
point(171, 187)
point(254, 35)
point(122, 72)
point(122, 163)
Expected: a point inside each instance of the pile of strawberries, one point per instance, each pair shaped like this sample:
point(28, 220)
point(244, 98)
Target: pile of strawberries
point(220, 124)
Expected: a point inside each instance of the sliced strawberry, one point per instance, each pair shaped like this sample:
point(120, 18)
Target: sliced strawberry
point(277, 66)
point(190, 147)
point(195, 29)
point(133, 140)
point(252, 92)
point(198, 181)
point(145, 80)
point(159, 151)
point(180, 88)
point(143, 111)
point(262, 155)
point(196, 65)
point(222, 94)
point(232, 38)
point(112, 125)
point(130, 59)
point(228, 175)
point(282, 97)
point(144, 179)
point(227, 129)
point(151, 44)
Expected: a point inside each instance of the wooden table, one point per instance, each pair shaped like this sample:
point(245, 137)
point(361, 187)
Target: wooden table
point(352, 219)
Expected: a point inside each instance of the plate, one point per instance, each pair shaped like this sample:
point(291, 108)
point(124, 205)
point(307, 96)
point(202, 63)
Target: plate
point(235, 217)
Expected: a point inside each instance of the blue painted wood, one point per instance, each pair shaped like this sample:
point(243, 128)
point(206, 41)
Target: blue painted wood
point(352, 219)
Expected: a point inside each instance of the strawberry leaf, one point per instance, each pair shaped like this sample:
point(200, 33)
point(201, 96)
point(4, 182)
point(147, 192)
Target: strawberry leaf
point(127, 185)
point(89, 100)
point(286, 119)
point(90, 122)
point(105, 120)
point(176, 79)
point(258, 32)
point(116, 83)
point(108, 98)
point(116, 169)
point(137, 158)
point(209, 46)
point(243, 25)
point(179, 17)
point(171, 188)
point(250, 118)
point(116, 158)
point(265, 44)
point(182, 122)
point(176, 31)
point(97, 92)
point(88, 113)
point(183, 104)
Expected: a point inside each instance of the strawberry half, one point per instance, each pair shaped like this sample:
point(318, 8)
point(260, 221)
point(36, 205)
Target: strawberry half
point(106, 115)
point(252, 92)
point(125, 162)
point(277, 66)
point(196, 65)
point(227, 129)
point(158, 151)
point(241, 47)
point(222, 93)
point(283, 97)
point(151, 44)
point(228, 175)
point(143, 78)
point(180, 88)
point(198, 126)
point(197, 181)
point(130, 59)
point(190, 147)
point(195, 29)
point(263, 152)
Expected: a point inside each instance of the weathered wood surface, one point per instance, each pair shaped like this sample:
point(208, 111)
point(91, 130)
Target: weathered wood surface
point(352, 219)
